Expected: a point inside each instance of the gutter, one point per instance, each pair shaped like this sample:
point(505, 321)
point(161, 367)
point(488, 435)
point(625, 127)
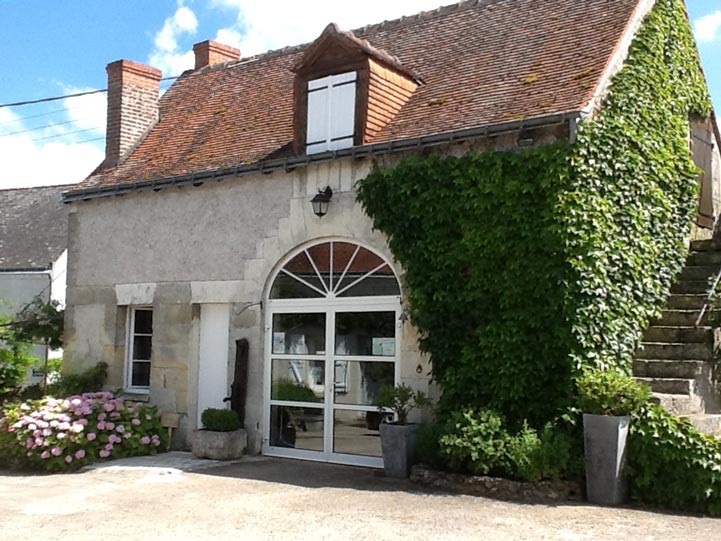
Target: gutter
point(26, 270)
point(293, 162)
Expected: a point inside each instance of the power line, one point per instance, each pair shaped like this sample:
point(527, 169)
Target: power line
point(39, 128)
point(56, 98)
point(64, 134)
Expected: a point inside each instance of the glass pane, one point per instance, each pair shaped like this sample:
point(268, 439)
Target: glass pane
point(356, 432)
point(141, 374)
point(321, 257)
point(301, 334)
point(342, 252)
point(358, 382)
point(144, 321)
point(364, 262)
point(142, 346)
point(297, 428)
point(365, 333)
point(299, 381)
point(287, 287)
point(381, 282)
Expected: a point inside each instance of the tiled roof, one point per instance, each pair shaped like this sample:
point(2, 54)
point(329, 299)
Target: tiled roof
point(482, 62)
point(33, 227)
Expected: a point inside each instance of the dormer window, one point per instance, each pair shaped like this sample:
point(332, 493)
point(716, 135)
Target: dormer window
point(345, 92)
point(331, 112)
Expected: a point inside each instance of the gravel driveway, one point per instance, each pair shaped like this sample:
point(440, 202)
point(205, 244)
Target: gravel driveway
point(176, 497)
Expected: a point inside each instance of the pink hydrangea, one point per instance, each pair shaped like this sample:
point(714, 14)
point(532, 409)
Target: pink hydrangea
point(91, 436)
point(101, 417)
point(80, 454)
point(45, 454)
point(109, 406)
point(115, 415)
point(104, 454)
point(109, 447)
point(60, 435)
point(136, 422)
point(145, 440)
point(101, 425)
point(68, 459)
point(46, 432)
point(120, 429)
point(109, 426)
point(56, 451)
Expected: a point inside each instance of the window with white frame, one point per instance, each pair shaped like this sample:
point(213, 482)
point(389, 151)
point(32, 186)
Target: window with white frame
point(139, 347)
point(331, 113)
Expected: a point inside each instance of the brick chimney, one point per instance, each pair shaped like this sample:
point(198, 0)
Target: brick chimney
point(211, 52)
point(133, 91)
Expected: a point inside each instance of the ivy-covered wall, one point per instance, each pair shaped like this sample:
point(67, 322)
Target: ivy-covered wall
point(523, 268)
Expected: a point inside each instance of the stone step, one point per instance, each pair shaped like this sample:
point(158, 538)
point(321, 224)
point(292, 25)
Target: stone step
point(685, 302)
point(705, 258)
point(707, 423)
point(657, 368)
point(678, 404)
point(694, 273)
point(706, 245)
point(679, 318)
point(690, 286)
point(674, 386)
point(686, 334)
point(675, 351)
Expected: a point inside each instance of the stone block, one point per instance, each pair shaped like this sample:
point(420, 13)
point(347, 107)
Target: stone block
point(219, 445)
point(173, 293)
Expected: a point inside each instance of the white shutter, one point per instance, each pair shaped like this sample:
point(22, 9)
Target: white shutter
point(331, 113)
point(318, 110)
point(342, 106)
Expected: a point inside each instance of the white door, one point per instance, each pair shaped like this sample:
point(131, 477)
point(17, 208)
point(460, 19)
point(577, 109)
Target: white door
point(328, 355)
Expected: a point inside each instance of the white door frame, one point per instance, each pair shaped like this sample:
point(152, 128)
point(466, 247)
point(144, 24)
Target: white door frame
point(329, 306)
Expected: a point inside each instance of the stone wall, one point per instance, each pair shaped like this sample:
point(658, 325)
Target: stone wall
point(217, 243)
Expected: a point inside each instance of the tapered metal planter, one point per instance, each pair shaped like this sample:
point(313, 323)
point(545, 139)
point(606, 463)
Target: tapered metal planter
point(605, 439)
point(398, 443)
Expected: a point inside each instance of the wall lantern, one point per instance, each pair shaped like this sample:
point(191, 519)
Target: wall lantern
point(320, 202)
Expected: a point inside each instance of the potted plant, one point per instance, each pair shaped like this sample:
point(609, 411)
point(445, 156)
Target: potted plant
point(607, 398)
point(222, 437)
point(398, 439)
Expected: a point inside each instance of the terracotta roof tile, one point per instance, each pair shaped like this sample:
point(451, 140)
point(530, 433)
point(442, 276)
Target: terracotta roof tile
point(482, 62)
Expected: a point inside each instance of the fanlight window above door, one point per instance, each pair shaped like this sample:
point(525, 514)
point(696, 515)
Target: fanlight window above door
point(335, 269)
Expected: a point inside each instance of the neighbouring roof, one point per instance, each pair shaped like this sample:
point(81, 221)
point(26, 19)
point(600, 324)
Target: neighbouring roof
point(482, 62)
point(33, 227)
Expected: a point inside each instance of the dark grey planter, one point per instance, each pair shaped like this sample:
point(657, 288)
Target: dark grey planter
point(219, 445)
point(605, 451)
point(398, 443)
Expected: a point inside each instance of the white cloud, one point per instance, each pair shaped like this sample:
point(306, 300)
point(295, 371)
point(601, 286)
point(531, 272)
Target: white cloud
point(272, 24)
point(52, 154)
point(708, 27)
point(166, 55)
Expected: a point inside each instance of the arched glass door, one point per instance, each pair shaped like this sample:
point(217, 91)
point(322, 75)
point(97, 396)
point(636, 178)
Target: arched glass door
point(333, 336)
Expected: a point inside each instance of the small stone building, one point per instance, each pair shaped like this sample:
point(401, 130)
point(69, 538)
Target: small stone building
point(224, 216)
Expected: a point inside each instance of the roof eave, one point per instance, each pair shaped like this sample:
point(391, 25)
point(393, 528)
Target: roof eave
point(293, 162)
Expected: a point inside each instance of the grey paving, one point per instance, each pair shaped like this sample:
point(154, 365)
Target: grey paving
point(175, 496)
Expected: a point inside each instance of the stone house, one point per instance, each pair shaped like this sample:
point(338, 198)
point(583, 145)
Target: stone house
point(33, 252)
point(224, 221)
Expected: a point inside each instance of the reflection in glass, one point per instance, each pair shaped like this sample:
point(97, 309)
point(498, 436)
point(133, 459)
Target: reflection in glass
point(287, 287)
point(142, 346)
point(362, 381)
point(141, 374)
point(356, 433)
point(143, 321)
point(298, 380)
point(365, 333)
point(300, 334)
point(297, 428)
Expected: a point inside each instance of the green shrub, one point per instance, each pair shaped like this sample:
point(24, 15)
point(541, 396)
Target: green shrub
point(428, 445)
point(602, 392)
point(670, 464)
point(402, 400)
point(89, 380)
point(296, 392)
point(220, 420)
point(475, 442)
point(479, 443)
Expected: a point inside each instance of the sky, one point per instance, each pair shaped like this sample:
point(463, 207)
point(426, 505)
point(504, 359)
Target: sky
point(59, 47)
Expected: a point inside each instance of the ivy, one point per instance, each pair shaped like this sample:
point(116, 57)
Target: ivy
point(524, 269)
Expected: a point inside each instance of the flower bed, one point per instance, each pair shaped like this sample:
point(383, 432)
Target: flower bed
point(61, 434)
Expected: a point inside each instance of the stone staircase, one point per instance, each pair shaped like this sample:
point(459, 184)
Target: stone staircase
point(676, 356)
